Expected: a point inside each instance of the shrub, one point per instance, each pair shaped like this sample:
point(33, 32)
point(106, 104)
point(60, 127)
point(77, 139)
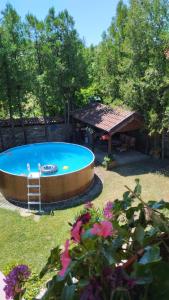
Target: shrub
point(107, 160)
point(119, 254)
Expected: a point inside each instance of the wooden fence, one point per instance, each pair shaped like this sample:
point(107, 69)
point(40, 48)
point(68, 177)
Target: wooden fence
point(33, 130)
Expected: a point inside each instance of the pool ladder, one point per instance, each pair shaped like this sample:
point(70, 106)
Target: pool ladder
point(34, 188)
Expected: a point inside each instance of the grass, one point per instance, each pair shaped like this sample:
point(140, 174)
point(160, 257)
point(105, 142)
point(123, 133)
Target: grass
point(29, 239)
point(24, 240)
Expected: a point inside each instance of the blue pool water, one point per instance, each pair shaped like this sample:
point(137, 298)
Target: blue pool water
point(68, 158)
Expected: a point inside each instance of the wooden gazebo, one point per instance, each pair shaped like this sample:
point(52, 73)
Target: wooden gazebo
point(108, 120)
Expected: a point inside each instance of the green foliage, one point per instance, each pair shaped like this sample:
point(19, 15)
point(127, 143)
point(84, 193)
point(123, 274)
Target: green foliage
point(9, 267)
point(45, 67)
point(51, 263)
point(107, 160)
point(85, 94)
point(129, 65)
point(33, 284)
point(141, 247)
point(43, 60)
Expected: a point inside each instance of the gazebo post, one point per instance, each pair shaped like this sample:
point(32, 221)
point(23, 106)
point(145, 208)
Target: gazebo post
point(109, 145)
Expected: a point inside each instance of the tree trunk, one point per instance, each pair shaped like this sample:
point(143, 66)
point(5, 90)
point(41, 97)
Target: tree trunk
point(44, 114)
point(65, 111)
point(40, 71)
point(11, 120)
point(21, 115)
point(9, 98)
point(68, 112)
point(162, 145)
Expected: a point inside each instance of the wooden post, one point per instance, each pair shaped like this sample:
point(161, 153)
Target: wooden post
point(43, 107)
point(109, 145)
point(1, 139)
point(162, 145)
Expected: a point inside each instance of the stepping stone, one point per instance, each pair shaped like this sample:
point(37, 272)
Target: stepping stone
point(2, 285)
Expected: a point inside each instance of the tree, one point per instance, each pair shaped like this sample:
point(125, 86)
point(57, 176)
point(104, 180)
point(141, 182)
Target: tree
point(12, 64)
point(108, 54)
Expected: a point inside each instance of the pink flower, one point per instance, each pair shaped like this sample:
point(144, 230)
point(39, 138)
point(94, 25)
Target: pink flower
point(77, 228)
point(103, 228)
point(109, 205)
point(65, 259)
point(85, 218)
point(76, 232)
point(107, 211)
point(88, 205)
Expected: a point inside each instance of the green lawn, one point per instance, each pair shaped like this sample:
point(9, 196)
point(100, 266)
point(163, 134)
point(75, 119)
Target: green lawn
point(29, 240)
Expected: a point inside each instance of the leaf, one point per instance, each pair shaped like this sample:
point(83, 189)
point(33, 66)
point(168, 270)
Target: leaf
point(137, 180)
point(142, 217)
point(160, 285)
point(130, 213)
point(151, 255)
point(52, 263)
point(127, 200)
point(83, 282)
point(68, 270)
point(117, 243)
point(139, 234)
point(108, 254)
point(117, 206)
point(142, 274)
point(153, 231)
point(119, 293)
point(160, 222)
point(158, 205)
point(68, 292)
point(87, 235)
point(54, 289)
point(137, 189)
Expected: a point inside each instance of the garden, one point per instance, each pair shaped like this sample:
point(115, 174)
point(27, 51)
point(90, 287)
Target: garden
point(115, 246)
point(28, 240)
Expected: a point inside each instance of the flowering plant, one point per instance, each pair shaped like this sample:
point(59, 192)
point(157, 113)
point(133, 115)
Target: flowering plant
point(114, 254)
point(14, 288)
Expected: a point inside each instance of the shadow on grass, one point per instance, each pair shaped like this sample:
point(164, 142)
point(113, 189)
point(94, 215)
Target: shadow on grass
point(148, 166)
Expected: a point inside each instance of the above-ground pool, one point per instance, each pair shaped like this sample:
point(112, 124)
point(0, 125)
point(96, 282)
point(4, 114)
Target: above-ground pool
point(72, 174)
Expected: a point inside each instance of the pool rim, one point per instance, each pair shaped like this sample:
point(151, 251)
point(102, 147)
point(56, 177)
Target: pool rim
point(55, 175)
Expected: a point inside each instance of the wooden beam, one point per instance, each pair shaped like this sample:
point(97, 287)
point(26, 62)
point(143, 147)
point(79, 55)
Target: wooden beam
point(109, 144)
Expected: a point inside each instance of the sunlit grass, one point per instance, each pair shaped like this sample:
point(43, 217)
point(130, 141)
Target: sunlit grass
point(27, 240)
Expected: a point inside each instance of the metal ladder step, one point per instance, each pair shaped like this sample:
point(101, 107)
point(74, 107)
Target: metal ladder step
point(33, 186)
point(34, 194)
point(34, 202)
point(34, 175)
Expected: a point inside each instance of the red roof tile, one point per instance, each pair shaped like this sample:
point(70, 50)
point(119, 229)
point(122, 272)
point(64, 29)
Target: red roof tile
point(106, 118)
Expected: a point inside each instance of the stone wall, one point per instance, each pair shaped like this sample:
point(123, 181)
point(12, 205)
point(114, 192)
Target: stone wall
point(35, 134)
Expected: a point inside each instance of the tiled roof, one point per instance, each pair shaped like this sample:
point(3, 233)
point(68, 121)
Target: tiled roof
point(106, 118)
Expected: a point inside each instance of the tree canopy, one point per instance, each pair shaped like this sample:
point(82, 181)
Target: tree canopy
point(130, 65)
point(42, 63)
point(46, 68)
